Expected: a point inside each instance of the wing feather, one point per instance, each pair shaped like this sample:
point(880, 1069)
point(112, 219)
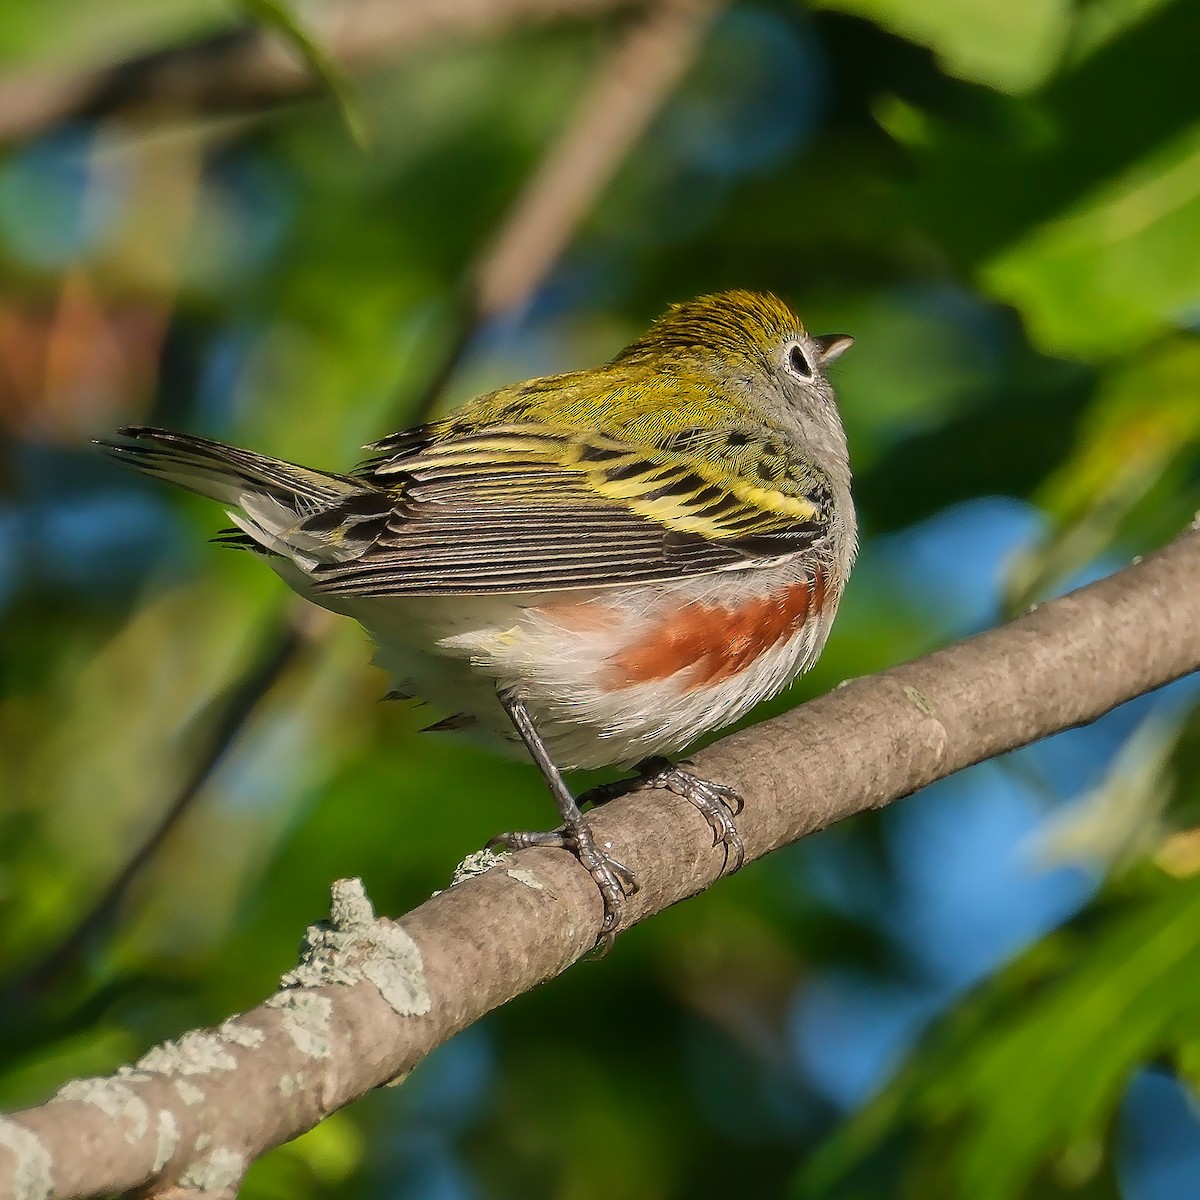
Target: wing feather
point(520, 508)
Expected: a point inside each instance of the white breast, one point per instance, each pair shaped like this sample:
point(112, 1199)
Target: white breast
point(568, 655)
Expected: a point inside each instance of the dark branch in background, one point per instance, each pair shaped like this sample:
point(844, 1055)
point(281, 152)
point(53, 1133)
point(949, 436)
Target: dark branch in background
point(284, 646)
point(248, 67)
point(629, 86)
point(373, 997)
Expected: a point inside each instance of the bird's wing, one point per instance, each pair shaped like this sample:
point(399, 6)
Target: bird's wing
point(528, 508)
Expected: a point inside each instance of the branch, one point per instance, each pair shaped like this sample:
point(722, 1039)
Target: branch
point(625, 95)
point(372, 997)
point(250, 67)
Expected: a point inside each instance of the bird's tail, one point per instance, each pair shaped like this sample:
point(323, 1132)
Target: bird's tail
point(271, 501)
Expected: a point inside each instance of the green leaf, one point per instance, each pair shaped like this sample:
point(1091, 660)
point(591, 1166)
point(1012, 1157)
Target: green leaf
point(995, 171)
point(1116, 269)
point(1028, 1073)
point(1013, 47)
point(1142, 428)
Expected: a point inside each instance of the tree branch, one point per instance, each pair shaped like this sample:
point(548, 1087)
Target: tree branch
point(372, 997)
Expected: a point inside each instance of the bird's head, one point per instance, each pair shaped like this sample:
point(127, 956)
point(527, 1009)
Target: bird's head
point(751, 344)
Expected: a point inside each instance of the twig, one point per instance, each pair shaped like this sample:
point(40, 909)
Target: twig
point(373, 997)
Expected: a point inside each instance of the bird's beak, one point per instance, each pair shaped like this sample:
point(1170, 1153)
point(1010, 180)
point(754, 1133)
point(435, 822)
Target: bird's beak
point(833, 346)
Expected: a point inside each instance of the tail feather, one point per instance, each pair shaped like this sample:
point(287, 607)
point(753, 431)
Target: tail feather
point(220, 472)
point(268, 499)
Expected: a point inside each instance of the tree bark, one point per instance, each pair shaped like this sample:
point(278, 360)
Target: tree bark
point(373, 996)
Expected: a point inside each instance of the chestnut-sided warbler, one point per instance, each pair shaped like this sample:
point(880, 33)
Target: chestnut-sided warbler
point(603, 565)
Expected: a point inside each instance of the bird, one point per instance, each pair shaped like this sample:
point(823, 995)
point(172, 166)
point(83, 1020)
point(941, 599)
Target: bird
point(601, 566)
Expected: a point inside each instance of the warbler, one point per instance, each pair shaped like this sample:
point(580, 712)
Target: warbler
point(603, 565)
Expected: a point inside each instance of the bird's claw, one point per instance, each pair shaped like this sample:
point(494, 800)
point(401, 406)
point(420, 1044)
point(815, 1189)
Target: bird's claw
point(718, 803)
point(613, 878)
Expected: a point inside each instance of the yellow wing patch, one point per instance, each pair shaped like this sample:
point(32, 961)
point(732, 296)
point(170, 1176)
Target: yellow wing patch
point(682, 492)
point(685, 493)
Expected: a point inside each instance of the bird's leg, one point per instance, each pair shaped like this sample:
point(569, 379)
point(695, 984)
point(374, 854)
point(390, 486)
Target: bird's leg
point(718, 802)
point(613, 878)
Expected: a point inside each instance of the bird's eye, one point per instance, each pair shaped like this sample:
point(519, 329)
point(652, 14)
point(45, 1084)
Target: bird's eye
point(798, 362)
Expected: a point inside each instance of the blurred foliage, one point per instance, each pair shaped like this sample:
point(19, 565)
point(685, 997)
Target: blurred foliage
point(1026, 1075)
point(990, 990)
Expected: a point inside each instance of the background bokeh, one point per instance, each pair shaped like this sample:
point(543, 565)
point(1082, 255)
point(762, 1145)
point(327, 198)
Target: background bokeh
point(279, 226)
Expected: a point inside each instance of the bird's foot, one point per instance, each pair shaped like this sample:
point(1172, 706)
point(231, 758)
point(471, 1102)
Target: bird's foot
point(614, 880)
point(718, 804)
